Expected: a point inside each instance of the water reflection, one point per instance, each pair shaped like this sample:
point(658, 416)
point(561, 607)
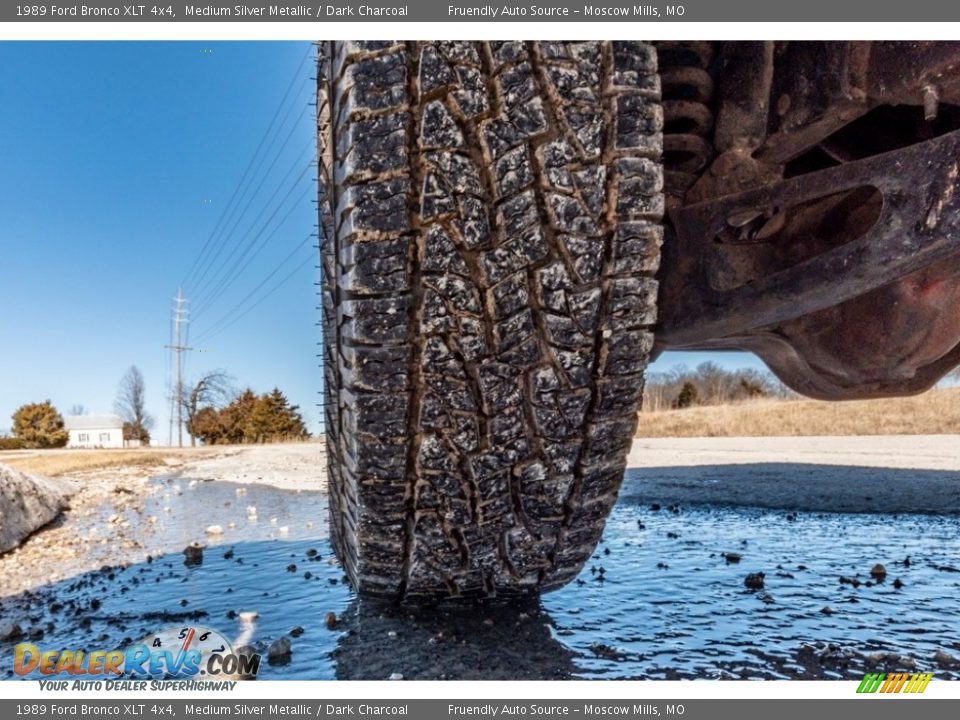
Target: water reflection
point(513, 641)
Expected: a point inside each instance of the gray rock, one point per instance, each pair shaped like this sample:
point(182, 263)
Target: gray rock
point(10, 631)
point(27, 503)
point(279, 651)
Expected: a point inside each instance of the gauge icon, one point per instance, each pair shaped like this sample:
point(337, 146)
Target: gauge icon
point(178, 651)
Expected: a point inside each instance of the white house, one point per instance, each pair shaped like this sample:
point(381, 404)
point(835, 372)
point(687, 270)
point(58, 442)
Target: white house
point(94, 431)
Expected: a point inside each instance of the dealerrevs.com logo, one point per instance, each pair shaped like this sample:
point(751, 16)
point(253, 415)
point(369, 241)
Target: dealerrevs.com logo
point(178, 653)
point(894, 683)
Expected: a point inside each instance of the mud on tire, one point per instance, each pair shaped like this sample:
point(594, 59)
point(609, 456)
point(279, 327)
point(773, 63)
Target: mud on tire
point(491, 228)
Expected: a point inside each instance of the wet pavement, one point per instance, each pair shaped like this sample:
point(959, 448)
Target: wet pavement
point(663, 597)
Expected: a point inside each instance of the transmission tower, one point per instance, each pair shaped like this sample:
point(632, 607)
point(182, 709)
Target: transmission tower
point(181, 314)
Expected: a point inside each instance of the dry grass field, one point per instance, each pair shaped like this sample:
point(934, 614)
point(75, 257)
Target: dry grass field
point(56, 463)
point(936, 412)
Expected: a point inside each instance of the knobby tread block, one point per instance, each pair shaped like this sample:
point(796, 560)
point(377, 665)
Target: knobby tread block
point(491, 229)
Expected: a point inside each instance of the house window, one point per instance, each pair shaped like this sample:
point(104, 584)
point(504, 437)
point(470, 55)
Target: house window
point(105, 437)
point(83, 437)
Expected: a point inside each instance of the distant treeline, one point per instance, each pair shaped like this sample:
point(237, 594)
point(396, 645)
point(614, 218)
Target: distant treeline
point(249, 418)
point(709, 384)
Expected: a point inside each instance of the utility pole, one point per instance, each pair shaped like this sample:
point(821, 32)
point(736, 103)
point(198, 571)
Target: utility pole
point(180, 319)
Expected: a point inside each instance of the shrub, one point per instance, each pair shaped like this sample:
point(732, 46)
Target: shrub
point(40, 425)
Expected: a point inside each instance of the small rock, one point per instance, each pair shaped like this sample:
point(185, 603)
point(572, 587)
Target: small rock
point(231, 614)
point(297, 631)
point(214, 530)
point(767, 598)
point(396, 676)
point(292, 567)
point(241, 491)
point(193, 555)
point(945, 659)
point(732, 557)
point(330, 620)
point(311, 553)
point(279, 651)
point(602, 650)
point(849, 581)
point(827, 610)
point(391, 634)
point(10, 631)
point(488, 622)
point(878, 572)
point(252, 512)
point(898, 583)
point(754, 581)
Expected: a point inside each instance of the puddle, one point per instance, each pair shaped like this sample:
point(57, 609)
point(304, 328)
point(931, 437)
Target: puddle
point(658, 600)
point(668, 603)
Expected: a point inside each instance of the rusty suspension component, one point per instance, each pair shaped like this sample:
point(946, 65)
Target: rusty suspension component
point(687, 90)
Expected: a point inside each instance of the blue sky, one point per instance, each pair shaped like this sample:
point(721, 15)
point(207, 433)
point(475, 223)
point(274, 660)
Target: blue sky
point(117, 160)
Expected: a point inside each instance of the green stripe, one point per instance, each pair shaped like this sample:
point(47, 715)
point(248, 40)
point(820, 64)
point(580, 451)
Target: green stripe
point(871, 682)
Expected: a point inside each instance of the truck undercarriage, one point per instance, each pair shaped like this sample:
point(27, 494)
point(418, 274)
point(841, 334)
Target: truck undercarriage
point(812, 217)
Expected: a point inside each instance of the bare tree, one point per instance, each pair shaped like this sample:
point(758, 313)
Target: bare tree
point(213, 389)
point(131, 406)
point(77, 409)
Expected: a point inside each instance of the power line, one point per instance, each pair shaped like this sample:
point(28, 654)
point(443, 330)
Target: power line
point(212, 334)
point(228, 273)
point(243, 204)
point(214, 327)
point(266, 133)
point(228, 234)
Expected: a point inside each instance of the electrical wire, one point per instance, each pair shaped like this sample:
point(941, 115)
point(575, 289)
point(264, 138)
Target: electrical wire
point(266, 133)
point(214, 331)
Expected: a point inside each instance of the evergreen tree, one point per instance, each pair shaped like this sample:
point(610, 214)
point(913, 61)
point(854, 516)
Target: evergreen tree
point(40, 425)
point(273, 419)
point(688, 395)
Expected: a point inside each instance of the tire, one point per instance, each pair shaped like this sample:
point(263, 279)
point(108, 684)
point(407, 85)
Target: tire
point(491, 229)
